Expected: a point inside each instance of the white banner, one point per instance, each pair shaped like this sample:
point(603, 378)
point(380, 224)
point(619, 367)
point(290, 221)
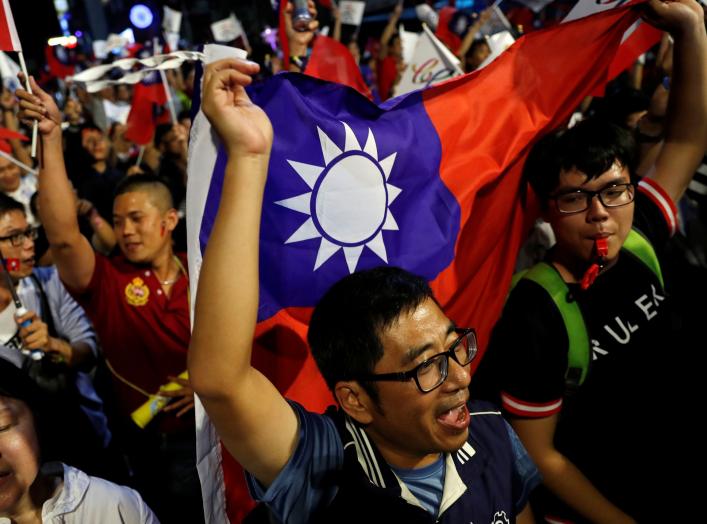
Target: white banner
point(227, 30)
point(498, 44)
point(100, 49)
point(351, 12)
point(94, 78)
point(496, 23)
point(171, 20)
point(116, 112)
point(432, 63)
point(172, 40)
point(408, 41)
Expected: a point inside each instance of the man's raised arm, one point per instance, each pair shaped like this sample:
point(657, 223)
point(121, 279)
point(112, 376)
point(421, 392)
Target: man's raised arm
point(254, 421)
point(73, 255)
point(686, 125)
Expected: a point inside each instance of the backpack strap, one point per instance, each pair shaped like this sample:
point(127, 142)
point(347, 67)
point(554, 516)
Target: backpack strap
point(47, 316)
point(638, 246)
point(547, 277)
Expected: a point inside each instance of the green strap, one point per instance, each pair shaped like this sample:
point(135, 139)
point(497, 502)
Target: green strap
point(638, 246)
point(550, 280)
point(578, 352)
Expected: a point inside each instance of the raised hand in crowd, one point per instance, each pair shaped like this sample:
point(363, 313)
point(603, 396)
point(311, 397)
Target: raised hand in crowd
point(103, 239)
point(472, 32)
point(685, 132)
point(299, 41)
point(261, 445)
point(39, 105)
point(389, 31)
point(244, 127)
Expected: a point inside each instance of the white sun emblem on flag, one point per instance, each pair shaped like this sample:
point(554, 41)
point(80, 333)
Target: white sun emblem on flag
point(348, 205)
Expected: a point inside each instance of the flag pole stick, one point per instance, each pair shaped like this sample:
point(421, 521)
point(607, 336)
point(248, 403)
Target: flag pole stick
point(23, 66)
point(170, 102)
point(140, 155)
point(19, 164)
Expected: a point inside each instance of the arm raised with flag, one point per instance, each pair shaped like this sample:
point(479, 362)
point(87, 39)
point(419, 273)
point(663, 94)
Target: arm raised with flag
point(72, 252)
point(254, 421)
point(675, 165)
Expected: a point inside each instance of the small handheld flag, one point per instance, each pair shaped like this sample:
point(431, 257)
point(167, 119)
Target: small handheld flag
point(13, 264)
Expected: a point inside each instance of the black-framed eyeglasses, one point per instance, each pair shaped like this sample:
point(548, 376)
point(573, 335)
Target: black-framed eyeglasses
point(578, 200)
point(432, 372)
point(17, 239)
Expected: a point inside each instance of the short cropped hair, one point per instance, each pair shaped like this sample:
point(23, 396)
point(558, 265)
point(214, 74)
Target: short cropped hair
point(344, 332)
point(592, 146)
point(152, 185)
point(8, 204)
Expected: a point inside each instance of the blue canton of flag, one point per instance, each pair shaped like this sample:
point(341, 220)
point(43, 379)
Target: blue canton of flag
point(350, 186)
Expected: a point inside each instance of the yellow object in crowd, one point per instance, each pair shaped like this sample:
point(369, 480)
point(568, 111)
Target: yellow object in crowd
point(145, 413)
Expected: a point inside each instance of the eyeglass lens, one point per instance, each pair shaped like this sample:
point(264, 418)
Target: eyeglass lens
point(613, 196)
point(433, 372)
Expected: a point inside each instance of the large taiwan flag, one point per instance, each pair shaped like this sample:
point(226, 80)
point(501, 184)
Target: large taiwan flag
point(429, 181)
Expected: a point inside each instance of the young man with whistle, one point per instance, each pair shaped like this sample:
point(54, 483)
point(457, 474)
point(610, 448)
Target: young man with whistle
point(583, 359)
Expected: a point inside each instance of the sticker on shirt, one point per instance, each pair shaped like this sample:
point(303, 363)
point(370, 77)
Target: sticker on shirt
point(137, 293)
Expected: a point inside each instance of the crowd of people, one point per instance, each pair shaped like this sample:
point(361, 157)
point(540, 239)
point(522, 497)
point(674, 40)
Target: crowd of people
point(580, 410)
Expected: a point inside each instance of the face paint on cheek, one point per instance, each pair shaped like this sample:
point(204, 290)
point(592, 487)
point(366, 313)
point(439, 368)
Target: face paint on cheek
point(163, 230)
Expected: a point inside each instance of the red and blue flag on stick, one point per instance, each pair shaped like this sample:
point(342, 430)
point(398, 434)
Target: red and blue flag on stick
point(148, 109)
point(429, 181)
point(9, 39)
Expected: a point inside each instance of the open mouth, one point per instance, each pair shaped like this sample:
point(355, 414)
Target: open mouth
point(456, 418)
point(4, 476)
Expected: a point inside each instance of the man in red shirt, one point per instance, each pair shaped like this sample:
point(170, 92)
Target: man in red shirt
point(138, 302)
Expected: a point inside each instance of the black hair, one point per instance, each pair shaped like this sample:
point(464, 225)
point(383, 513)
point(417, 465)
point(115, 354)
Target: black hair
point(592, 146)
point(618, 106)
point(16, 384)
point(7, 204)
point(475, 44)
point(147, 183)
point(346, 323)
point(160, 132)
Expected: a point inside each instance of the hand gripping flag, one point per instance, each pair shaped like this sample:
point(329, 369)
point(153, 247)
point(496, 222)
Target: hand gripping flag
point(429, 181)
point(637, 39)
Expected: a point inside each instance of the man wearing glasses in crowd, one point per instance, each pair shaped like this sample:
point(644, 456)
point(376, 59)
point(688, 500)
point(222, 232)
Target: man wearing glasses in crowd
point(58, 327)
point(405, 444)
point(584, 358)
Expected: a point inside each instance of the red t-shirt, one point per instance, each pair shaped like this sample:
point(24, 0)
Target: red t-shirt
point(387, 73)
point(144, 334)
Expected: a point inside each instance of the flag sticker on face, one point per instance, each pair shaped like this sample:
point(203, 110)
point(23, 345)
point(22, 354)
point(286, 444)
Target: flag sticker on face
point(12, 264)
point(348, 205)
